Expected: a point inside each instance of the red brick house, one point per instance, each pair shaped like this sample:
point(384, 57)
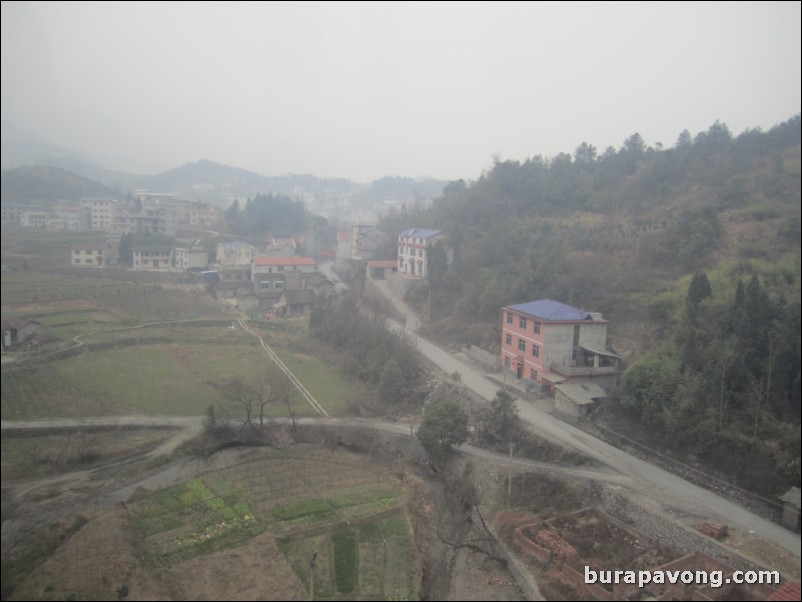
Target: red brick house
point(547, 342)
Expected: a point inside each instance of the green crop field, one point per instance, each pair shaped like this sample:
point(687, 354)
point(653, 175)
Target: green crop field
point(316, 502)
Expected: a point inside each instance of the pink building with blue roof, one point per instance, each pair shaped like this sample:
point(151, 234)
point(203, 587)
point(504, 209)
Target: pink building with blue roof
point(546, 342)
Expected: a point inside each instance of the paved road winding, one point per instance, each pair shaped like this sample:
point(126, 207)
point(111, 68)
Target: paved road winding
point(671, 491)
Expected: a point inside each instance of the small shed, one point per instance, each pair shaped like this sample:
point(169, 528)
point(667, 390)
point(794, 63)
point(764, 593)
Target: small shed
point(20, 331)
point(247, 300)
point(377, 267)
point(296, 302)
point(576, 399)
point(791, 506)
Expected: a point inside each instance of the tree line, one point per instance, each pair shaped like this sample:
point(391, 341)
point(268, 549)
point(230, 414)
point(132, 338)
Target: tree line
point(725, 385)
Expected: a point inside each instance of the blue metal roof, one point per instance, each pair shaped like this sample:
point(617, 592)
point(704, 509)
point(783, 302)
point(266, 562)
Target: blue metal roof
point(420, 232)
point(549, 310)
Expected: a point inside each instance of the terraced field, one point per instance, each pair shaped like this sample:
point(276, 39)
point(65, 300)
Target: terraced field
point(338, 524)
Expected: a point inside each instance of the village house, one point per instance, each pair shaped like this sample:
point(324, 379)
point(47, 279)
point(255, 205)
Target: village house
point(93, 254)
point(148, 221)
point(413, 248)
point(546, 342)
point(103, 211)
point(343, 252)
point(204, 215)
point(195, 257)
point(365, 240)
point(296, 302)
point(280, 247)
point(269, 274)
point(153, 257)
point(232, 281)
point(235, 253)
point(19, 330)
point(379, 268)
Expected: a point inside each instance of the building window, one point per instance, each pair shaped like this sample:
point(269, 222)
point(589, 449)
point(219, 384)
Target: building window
point(521, 345)
point(509, 339)
point(533, 375)
point(535, 350)
point(506, 361)
point(522, 322)
point(537, 327)
point(509, 317)
point(279, 284)
point(265, 284)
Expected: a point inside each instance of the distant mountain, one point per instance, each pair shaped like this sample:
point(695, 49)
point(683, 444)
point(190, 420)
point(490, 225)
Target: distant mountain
point(401, 188)
point(206, 180)
point(44, 184)
point(19, 148)
point(108, 177)
point(215, 182)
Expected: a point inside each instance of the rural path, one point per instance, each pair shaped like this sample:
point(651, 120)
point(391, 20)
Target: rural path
point(669, 490)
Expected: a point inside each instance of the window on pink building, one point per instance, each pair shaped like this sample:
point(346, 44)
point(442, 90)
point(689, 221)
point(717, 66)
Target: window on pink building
point(521, 345)
point(537, 327)
point(508, 340)
point(509, 317)
point(522, 322)
point(535, 350)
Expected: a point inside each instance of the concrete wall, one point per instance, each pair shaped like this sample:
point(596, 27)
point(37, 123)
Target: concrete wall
point(488, 360)
point(667, 532)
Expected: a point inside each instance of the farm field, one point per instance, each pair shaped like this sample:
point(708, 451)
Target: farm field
point(276, 508)
point(114, 348)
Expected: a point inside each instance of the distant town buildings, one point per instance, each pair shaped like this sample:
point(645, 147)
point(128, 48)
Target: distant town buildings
point(147, 212)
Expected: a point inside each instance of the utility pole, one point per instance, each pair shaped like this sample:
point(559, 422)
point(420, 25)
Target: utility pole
point(509, 477)
point(312, 562)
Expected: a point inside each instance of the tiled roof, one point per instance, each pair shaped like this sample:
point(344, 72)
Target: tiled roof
point(283, 261)
point(420, 233)
point(382, 263)
point(787, 591)
point(549, 310)
point(236, 245)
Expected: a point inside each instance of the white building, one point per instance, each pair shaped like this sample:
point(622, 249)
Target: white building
point(413, 247)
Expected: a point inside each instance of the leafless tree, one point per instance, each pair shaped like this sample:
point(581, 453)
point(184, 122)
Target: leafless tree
point(456, 527)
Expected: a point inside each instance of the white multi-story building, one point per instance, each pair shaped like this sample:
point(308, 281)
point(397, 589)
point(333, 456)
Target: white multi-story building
point(413, 247)
point(104, 211)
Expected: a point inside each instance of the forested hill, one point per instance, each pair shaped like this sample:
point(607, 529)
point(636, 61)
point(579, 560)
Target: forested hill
point(623, 232)
point(609, 232)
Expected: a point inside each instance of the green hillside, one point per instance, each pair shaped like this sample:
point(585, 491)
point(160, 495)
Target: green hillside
point(630, 232)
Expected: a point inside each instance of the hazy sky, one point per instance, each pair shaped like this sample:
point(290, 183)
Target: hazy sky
point(363, 90)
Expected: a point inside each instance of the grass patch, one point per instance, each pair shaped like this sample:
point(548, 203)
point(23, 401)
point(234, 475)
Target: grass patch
point(307, 508)
point(345, 560)
point(323, 381)
point(372, 561)
point(33, 456)
point(163, 379)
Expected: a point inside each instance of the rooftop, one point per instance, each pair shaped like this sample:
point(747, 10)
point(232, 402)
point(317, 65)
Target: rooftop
point(420, 233)
point(549, 310)
point(283, 261)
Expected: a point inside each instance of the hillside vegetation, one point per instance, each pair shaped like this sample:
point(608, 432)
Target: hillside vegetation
point(633, 233)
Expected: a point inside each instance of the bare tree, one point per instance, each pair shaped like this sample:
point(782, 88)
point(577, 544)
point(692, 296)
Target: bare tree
point(251, 399)
point(456, 527)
